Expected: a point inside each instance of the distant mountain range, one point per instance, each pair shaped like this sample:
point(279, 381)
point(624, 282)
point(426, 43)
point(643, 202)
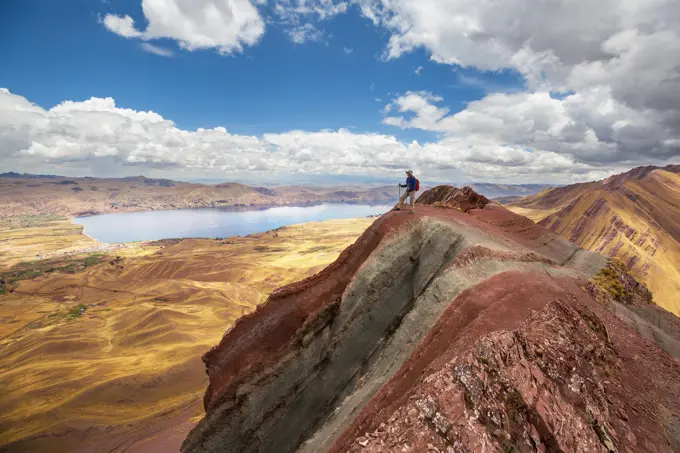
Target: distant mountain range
point(634, 216)
point(23, 194)
point(89, 196)
point(12, 174)
point(490, 190)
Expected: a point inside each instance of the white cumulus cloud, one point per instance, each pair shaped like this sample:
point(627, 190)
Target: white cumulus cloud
point(225, 25)
point(615, 62)
point(629, 46)
point(98, 137)
point(587, 127)
point(123, 26)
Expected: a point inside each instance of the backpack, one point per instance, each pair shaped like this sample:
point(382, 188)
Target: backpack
point(417, 185)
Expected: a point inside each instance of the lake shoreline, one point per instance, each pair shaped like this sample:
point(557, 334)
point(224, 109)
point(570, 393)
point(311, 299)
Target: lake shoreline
point(234, 207)
point(214, 222)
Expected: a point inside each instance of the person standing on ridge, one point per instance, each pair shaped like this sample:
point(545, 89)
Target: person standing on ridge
point(411, 189)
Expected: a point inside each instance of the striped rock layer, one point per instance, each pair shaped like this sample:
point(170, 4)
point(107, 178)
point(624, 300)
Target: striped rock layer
point(452, 330)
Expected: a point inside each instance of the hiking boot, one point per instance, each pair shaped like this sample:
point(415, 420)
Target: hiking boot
point(412, 212)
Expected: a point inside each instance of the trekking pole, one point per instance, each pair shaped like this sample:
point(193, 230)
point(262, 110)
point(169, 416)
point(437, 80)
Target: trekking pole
point(399, 193)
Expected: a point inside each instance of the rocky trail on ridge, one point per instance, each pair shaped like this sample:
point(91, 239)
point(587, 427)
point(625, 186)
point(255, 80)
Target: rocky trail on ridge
point(463, 328)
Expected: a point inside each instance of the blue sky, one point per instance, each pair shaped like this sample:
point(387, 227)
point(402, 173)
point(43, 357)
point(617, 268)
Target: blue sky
point(59, 50)
point(340, 78)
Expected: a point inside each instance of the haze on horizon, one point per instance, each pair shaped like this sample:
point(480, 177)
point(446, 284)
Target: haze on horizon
point(303, 90)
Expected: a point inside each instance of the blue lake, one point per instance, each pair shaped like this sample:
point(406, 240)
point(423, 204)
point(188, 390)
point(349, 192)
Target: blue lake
point(214, 222)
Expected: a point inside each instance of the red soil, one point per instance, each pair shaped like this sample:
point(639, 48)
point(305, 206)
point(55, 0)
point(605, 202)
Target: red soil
point(572, 378)
point(260, 339)
point(501, 303)
point(627, 395)
point(478, 252)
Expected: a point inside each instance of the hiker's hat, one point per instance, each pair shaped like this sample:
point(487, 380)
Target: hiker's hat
point(408, 172)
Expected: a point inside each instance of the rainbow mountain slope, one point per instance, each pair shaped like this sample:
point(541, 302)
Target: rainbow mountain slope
point(461, 328)
point(634, 216)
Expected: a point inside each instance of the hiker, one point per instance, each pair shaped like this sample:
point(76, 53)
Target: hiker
point(411, 188)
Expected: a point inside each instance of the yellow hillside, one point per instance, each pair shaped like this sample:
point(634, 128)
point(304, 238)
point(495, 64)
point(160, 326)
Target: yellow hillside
point(24, 238)
point(634, 219)
point(94, 352)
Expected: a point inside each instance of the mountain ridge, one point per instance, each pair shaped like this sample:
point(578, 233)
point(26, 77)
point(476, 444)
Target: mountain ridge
point(632, 216)
point(336, 362)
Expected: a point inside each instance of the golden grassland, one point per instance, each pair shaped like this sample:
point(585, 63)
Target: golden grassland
point(640, 225)
point(100, 345)
point(24, 238)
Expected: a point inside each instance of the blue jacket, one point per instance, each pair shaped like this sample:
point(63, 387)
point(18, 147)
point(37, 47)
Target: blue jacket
point(411, 183)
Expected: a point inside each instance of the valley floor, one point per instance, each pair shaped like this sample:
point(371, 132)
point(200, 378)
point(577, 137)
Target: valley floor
point(101, 345)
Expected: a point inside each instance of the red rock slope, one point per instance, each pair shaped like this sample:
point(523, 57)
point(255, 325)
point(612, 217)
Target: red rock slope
point(447, 331)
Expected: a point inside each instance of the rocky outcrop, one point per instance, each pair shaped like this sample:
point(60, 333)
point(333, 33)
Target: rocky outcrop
point(451, 330)
point(615, 288)
point(557, 383)
point(451, 197)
